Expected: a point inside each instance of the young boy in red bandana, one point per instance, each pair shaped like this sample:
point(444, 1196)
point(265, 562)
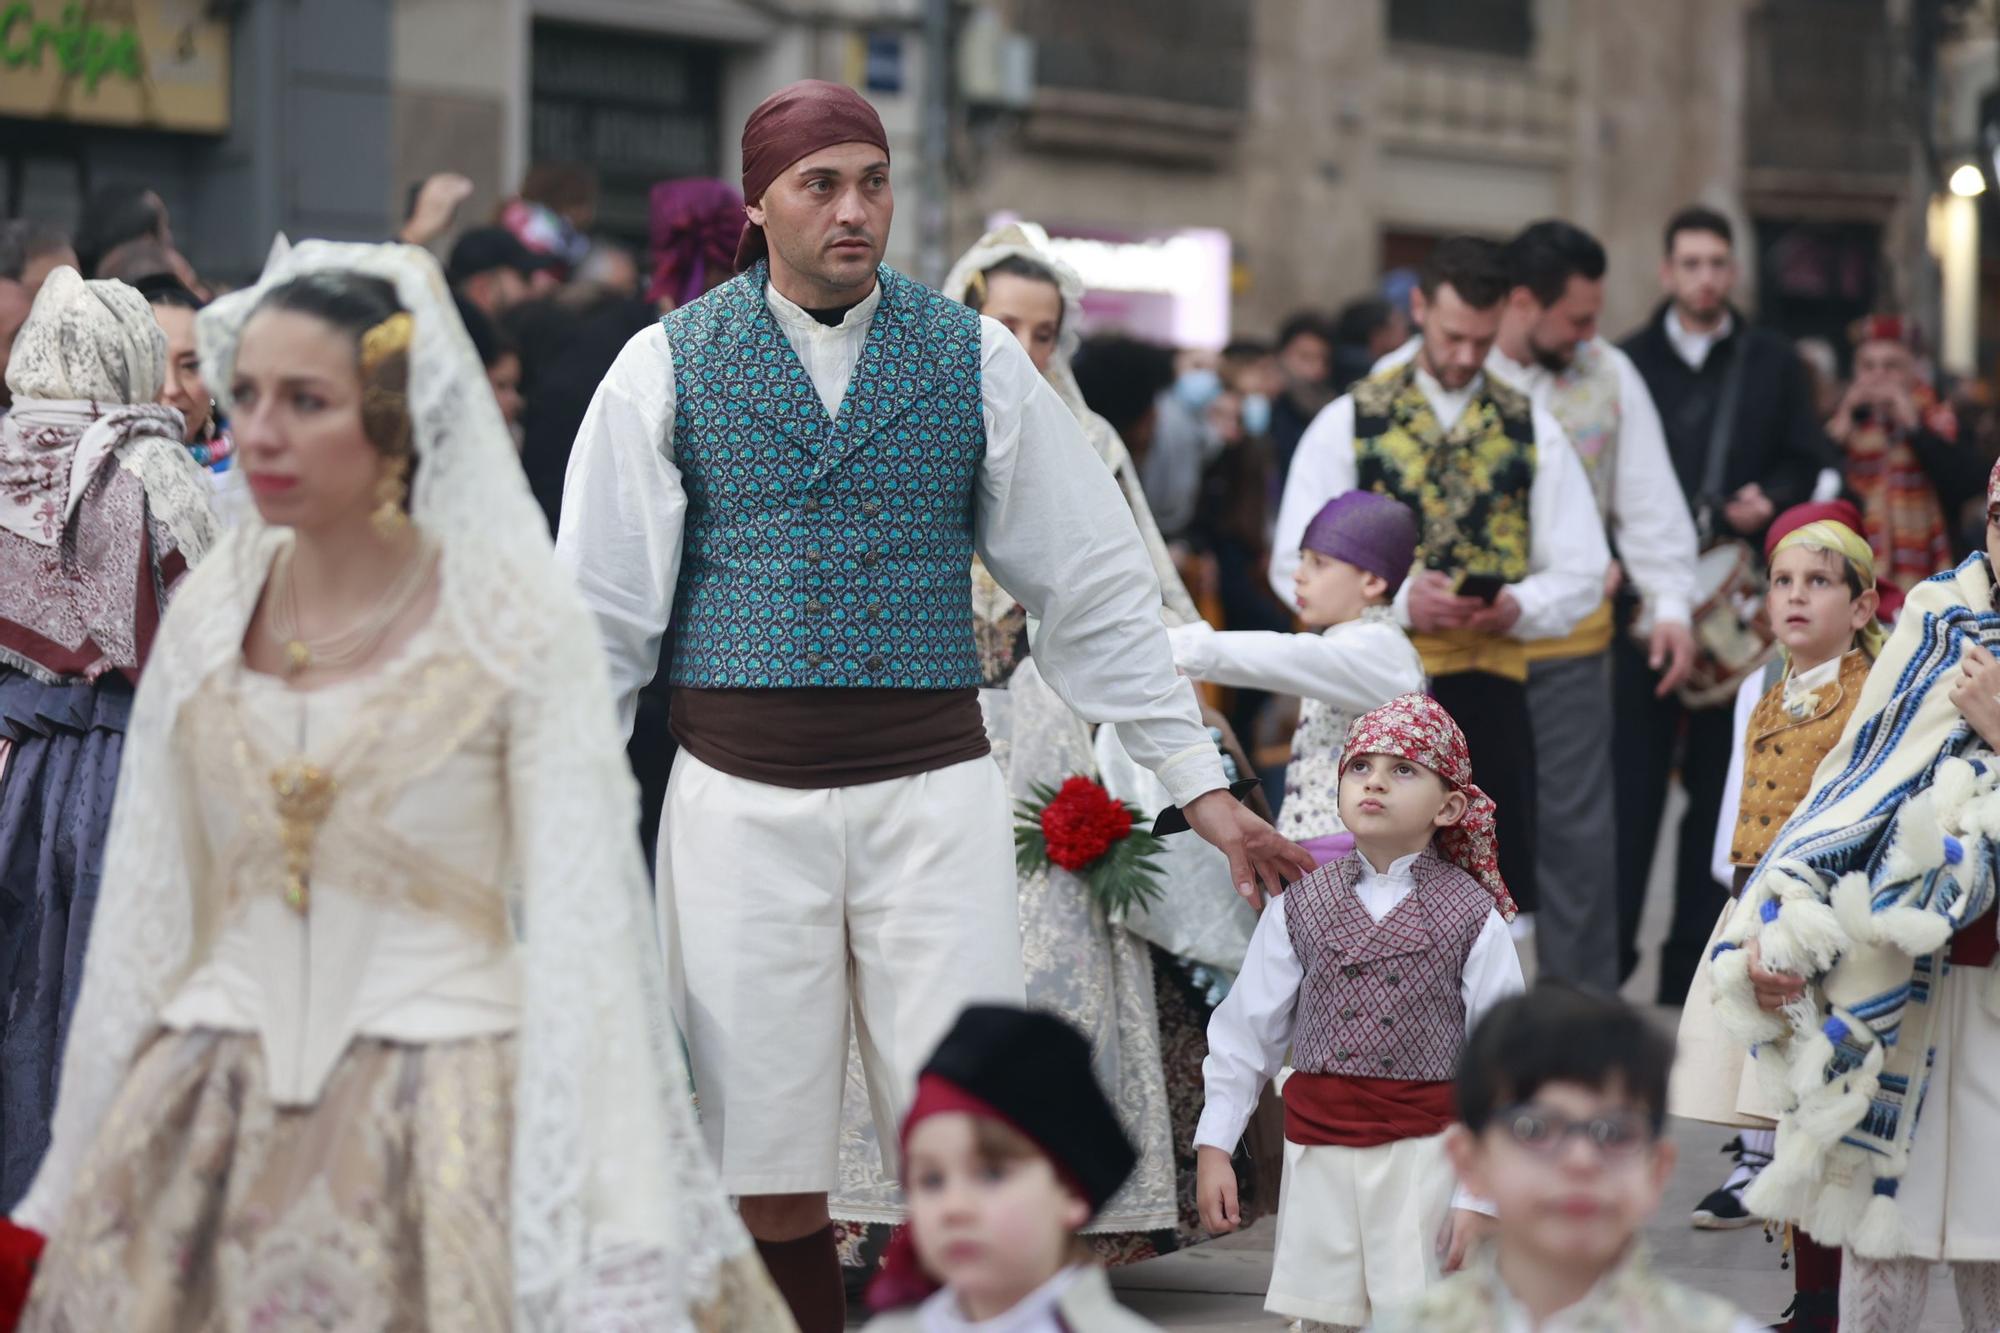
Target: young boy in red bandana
point(1370, 972)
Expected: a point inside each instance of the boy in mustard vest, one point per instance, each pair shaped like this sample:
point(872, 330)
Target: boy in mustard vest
point(1823, 603)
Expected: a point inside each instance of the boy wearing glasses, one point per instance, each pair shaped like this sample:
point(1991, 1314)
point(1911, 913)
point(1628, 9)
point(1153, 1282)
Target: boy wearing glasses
point(1561, 1101)
point(1369, 971)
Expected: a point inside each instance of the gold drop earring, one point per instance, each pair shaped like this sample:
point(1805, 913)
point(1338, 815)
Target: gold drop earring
point(390, 517)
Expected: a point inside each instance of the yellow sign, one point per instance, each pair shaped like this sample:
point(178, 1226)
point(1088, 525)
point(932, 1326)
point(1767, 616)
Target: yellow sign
point(150, 64)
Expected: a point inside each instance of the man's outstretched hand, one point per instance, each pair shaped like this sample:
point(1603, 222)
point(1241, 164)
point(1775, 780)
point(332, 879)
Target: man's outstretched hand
point(1257, 854)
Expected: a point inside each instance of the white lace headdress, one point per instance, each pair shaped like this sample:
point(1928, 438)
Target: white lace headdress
point(618, 1219)
point(1025, 240)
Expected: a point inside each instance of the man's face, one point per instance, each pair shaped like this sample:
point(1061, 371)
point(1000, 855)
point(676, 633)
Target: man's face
point(1457, 336)
point(1697, 273)
point(1306, 359)
point(826, 219)
point(497, 290)
point(15, 302)
point(1555, 331)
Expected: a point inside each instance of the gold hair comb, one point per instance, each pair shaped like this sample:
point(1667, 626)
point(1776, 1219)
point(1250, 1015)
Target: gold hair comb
point(386, 339)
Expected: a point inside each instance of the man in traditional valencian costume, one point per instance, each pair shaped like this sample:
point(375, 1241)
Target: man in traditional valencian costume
point(1548, 348)
point(799, 468)
point(1511, 547)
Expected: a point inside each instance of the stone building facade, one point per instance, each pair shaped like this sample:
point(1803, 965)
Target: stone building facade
point(1318, 142)
point(1333, 139)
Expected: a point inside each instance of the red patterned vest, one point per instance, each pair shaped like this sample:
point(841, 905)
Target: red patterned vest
point(1383, 999)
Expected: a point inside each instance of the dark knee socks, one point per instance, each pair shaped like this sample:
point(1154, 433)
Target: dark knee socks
point(807, 1274)
point(1816, 1268)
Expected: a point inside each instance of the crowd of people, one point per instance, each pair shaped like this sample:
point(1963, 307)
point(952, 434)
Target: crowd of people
point(543, 787)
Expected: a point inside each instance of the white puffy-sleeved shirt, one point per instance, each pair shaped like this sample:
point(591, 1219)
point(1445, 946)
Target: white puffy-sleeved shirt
point(1339, 674)
point(1567, 556)
point(1353, 667)
point(1656, 537)
point(1252, 1028)
point(1049, 523)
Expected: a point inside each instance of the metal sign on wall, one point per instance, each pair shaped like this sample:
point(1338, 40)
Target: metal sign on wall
point(148, 64)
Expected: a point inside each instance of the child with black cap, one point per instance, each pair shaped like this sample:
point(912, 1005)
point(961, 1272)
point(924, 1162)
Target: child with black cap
point(1009, 1149)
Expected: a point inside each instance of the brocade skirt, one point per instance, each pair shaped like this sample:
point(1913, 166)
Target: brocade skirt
point(203, 1207)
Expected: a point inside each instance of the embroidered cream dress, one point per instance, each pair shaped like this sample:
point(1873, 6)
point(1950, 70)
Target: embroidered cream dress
point(1092, 971)
point(372, 1030)
point(346, 1068)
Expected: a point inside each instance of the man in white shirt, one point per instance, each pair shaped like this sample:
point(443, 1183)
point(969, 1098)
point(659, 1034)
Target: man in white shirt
point(1512, 548)
point(798, 468)
point(1549, 348)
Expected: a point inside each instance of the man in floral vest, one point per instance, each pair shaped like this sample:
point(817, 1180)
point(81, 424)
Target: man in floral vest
point(1548, 347)
point(799, 468)
point(1511, 547)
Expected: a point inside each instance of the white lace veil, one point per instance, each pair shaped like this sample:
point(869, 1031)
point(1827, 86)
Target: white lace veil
point(617, 1216)
point(1025, 240)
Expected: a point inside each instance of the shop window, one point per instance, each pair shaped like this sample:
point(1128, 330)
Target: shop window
point(1487, 27)
point(1814, 279)
point(640, 109)
point(1195, 52)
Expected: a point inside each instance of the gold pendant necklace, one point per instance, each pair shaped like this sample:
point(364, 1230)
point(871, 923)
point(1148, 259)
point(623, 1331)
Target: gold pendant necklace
point(347, 646)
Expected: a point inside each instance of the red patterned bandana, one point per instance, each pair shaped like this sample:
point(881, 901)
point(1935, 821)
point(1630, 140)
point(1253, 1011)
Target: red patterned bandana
point(1416, 727)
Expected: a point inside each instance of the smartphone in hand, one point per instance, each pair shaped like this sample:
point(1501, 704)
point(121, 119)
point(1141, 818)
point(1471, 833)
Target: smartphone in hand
point(1485, 587)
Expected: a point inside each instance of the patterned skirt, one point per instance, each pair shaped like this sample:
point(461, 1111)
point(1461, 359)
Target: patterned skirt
point(203, 1207)
point(60, 747)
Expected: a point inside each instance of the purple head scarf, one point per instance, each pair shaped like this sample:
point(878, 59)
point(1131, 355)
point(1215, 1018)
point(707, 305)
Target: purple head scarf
point(693, 230)
point(1369, 531)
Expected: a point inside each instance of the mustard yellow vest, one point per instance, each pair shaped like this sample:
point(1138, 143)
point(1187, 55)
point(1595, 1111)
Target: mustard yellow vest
point(1781, 753)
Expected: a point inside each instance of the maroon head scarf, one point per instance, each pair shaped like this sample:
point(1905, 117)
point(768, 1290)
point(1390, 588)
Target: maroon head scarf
point(693, 229)
point(796, 121)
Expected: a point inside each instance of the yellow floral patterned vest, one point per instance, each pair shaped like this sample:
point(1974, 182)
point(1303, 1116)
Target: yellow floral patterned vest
point(1781, 753)
point(1468, 485)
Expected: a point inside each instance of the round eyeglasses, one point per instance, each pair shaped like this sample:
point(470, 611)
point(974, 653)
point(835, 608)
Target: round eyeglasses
point(1546, 1133)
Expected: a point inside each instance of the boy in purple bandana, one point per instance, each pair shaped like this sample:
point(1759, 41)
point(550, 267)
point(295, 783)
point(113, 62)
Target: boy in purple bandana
point(1351, 657)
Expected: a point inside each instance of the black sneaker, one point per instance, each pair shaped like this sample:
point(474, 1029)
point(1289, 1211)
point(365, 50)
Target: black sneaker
point(1722, 1209)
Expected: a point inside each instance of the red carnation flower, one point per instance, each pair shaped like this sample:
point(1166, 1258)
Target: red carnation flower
point(1081, 823)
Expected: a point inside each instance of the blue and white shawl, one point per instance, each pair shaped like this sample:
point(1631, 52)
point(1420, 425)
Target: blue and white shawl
point(1893, 852)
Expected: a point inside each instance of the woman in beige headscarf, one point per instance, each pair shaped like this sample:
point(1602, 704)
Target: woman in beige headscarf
point(101, 513)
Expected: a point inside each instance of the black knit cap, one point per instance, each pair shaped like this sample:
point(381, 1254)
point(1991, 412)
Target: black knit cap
point(1034, 1069)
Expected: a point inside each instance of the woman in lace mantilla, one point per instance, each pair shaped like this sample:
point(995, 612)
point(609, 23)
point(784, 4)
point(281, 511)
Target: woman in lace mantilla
point(368, 1035)
point(101, 514)
point(1079, 964)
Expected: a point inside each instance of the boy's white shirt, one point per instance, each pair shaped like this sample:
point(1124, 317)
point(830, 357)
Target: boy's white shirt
point(1354, 666)
point(1251, 1030)
point(1747, 694)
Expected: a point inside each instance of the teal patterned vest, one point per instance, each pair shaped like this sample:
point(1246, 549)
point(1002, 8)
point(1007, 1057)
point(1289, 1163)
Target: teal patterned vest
point(817, 551)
